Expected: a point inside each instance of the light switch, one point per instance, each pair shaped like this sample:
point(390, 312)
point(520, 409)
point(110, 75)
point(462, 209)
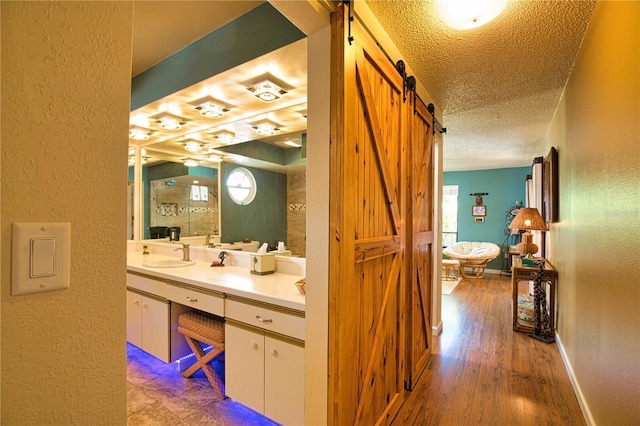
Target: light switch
point(40, 257)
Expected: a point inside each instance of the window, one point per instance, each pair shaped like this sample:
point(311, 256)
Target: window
point(241, 186)
point(449, 214)
point(199, 193)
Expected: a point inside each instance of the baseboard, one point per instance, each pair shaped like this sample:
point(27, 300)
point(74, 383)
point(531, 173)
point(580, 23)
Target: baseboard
point(584, 407)
point(437, 329)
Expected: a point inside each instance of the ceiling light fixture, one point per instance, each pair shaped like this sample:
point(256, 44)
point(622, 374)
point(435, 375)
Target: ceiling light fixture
point(467, 14)
point(215, 158)
point(267, 91)
point(193, 146)
point(293, 144)
point(265, 128)
point(139, 134)
point(169, 122)
point(211, 109)
point(226, 138)
point(190, 163)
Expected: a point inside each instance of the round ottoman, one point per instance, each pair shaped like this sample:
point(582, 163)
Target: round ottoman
point(450, 269)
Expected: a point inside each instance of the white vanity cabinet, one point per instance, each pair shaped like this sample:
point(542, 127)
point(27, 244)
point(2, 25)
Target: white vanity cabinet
point(153, 307)
point(264, 360)
point(148, 323)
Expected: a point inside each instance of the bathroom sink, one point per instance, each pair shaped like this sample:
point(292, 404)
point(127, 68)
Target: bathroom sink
point(168, 263)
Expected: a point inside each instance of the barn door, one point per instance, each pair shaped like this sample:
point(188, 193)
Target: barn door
point(368, 197)
point(420, 242)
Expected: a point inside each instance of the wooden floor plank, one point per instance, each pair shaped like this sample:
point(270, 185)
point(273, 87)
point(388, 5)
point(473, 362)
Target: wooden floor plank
point(482, 372)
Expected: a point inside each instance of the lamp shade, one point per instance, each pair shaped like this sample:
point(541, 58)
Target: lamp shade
point(528, 218)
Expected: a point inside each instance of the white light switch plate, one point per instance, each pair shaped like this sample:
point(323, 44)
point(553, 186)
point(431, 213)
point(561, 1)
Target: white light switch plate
point(40, 257)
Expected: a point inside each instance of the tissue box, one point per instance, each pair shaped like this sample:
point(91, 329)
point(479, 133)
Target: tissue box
point(262, 264)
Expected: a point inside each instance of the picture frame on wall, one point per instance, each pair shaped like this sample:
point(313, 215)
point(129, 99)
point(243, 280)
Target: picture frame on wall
point(478, 210)
point(550, 186)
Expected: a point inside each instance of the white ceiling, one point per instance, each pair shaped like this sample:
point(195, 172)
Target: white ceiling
point(497, 85)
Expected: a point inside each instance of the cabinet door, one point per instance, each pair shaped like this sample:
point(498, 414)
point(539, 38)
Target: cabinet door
point(244, 366)
point(284, 381)
point(155, 328)
point(134, 319)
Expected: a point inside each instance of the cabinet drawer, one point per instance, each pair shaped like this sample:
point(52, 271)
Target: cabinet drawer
point(148, 285)
point(202, 301)
point(265, 318)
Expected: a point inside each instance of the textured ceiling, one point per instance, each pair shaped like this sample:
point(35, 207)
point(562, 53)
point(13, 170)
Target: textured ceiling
point(497, 85)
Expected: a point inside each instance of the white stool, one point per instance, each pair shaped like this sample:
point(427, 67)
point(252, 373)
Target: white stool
point(450, 269)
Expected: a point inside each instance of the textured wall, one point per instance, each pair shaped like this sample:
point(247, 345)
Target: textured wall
point(65, 107)
point(594, 247)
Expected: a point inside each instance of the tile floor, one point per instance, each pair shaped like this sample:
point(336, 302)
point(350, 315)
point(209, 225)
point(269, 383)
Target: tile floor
point(158, 395)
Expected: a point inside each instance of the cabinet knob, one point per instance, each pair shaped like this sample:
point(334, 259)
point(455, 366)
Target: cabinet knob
point(189, 299)
point(264, 320)
point(144, 305)
point(273, 352)
point(254, 346)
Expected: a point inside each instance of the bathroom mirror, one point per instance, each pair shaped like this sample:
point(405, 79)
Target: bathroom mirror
point(253, 116)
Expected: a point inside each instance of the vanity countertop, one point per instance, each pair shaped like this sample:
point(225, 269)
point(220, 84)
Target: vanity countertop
point(277, 288)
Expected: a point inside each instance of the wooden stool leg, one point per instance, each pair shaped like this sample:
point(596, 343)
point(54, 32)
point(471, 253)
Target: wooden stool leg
point(204, 361)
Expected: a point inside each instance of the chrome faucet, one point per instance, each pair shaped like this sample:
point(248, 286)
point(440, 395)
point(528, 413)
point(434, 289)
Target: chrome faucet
point(207, 240)
point(185, 252)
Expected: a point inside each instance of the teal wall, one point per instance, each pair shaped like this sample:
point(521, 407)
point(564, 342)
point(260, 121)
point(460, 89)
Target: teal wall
point(265, 218)
point(505, 187)
point(237, 42)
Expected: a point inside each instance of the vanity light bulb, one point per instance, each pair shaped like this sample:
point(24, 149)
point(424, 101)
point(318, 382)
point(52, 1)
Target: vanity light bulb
point(169, 123)
point(226, 138)
point(139, 134)
point(266, 129)
point(211, 110)
point(193, 146)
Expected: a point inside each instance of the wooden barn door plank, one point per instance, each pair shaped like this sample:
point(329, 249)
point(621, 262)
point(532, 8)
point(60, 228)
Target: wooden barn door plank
point(368, 206)
point(420, 239)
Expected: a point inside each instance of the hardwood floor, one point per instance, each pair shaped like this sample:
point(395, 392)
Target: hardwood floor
point(481, 372)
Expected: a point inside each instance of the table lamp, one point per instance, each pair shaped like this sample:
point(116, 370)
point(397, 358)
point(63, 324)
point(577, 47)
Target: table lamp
point(528, 219)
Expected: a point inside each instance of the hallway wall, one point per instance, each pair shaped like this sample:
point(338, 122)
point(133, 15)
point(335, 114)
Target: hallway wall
point(66, 70)
point(594, 246)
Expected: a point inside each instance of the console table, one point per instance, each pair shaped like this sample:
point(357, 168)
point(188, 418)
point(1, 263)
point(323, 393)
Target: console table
point(522, 286)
